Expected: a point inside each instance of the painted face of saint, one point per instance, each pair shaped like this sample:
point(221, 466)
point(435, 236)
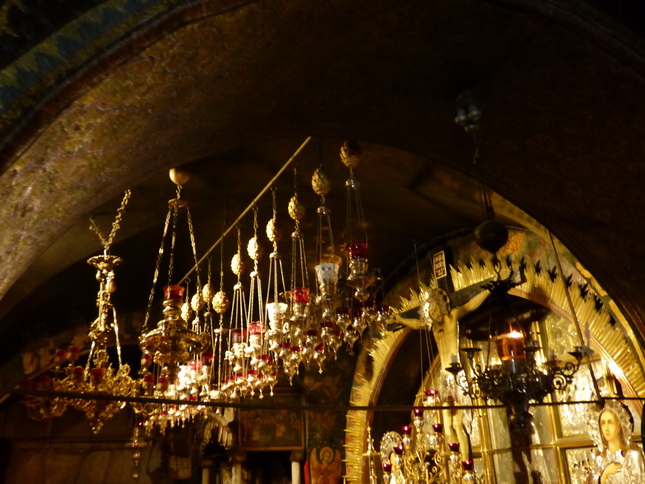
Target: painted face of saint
point(609, 426)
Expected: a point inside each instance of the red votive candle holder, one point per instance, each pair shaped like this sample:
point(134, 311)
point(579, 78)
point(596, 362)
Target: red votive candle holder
point(236, 335)
point(174, 293)
point(97, 375)
point(437, 428)
point(453, 446)
point(43, 382)
point(73, 353)
point(78, 373)
point(162, 383)
point(357, 248)
point(300, 295)
point(468, 465)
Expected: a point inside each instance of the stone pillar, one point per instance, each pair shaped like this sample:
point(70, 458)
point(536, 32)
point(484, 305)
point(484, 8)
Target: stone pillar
point(206, 471)
point(236, 462)
point(297, 457)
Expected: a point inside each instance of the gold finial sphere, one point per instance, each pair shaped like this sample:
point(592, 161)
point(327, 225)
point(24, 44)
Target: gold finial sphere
point(296, 209)
point(254, 249)
point(237, 264)
point(207, 292)
point(220, 302)
point(350, 153)
point(197, 303)
point(274, 234)
point(320, 182)
point(178, 176)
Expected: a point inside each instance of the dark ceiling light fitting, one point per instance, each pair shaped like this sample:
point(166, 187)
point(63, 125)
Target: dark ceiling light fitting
point(519, 375)
point(490, 235)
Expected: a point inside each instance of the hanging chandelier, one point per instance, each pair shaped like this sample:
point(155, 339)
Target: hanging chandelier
point(420, 453)
point(98, 377)
point(175, 363)
point(510, 370)
point(518, 375)
point(328, 268)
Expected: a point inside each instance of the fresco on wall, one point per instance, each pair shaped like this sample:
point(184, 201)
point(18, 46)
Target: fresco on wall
point(272, 429)
point(326, 428)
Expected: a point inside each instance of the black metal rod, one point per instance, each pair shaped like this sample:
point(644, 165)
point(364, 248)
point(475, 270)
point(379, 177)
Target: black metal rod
point(272, 403)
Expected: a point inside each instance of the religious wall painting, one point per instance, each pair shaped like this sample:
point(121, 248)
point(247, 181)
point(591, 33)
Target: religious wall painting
point(325, 428)
point(272, 429)
point(324, 466)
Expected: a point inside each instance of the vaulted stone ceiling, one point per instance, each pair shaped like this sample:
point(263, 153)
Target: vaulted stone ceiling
point(217, 84)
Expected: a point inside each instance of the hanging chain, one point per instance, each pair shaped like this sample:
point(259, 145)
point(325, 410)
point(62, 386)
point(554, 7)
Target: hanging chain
point(255, 278)
point(221, 267)
point(107, 242)
point(157, 270)
point(274, 211)
point(193, 245)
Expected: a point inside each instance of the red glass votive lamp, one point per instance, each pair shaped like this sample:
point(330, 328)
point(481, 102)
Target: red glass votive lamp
point(357, 248)
point(149, 382)
point(43, 382)
point(454, 447)
point(387, 467)
point(406, 430)
point(163, 383)
point(438, 428)
point(432, 398)
point(468, 465)
point(174, 293)
point(97, 375)
point(78, 373)
point(72, 353)
point(237, 336)
point(300, 295)
point(60, 356)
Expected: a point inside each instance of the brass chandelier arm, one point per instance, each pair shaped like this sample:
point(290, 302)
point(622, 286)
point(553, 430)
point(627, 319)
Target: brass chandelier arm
point(247, 209)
